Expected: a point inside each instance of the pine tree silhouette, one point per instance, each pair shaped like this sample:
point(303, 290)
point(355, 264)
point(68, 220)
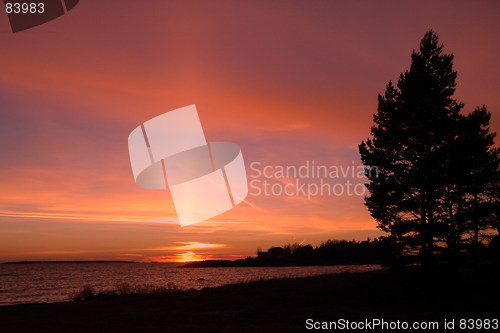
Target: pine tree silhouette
point(425, 184)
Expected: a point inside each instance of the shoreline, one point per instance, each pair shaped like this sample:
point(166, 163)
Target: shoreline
point(278, 263)
point(179, 279)
point(273, 305)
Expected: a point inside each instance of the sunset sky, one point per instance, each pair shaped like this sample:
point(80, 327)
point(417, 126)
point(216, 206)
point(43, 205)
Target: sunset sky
point(288, 81)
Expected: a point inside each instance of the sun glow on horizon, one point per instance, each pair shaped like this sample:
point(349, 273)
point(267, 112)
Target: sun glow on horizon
point(188, 257)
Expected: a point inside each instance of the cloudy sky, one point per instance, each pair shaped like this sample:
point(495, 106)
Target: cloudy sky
point(289, 81)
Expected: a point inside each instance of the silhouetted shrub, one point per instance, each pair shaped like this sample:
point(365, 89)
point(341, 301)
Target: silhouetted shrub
point(87, 292)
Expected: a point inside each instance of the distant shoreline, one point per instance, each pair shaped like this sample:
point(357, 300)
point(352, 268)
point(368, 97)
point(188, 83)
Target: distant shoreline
point(71, 262)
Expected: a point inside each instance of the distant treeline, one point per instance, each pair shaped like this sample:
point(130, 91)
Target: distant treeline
point(385, 250)
point(331, 252)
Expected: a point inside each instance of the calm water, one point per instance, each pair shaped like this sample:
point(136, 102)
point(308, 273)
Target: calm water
point(36, 283)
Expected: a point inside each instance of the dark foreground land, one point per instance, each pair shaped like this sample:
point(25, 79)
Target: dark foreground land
point(281, 305)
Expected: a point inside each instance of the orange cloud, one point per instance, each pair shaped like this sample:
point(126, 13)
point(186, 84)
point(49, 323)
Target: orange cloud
point(198, 246)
